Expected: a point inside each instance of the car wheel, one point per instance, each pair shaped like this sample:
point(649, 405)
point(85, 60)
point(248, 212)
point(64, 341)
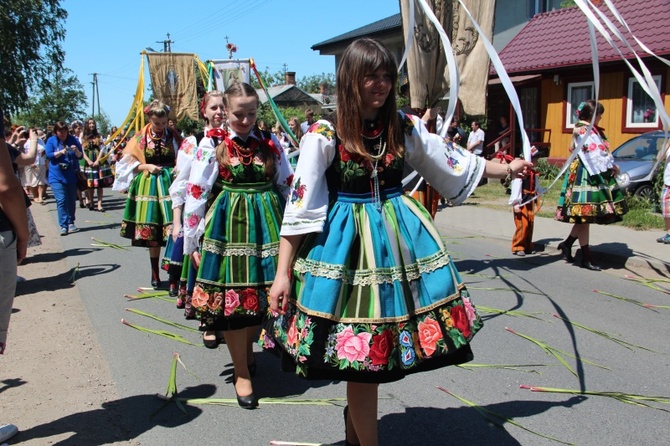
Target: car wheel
point(645, 191)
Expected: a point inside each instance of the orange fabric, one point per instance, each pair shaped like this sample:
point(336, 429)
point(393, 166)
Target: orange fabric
point(136, 145)
point(523, 236)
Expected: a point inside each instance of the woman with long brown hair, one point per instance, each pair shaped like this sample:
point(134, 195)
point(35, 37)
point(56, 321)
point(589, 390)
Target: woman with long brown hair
point(365, 289)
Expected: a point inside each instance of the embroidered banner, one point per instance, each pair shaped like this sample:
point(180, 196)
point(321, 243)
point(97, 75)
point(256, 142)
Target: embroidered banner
point(173, 82)
point(427, 65)
point(229, 72)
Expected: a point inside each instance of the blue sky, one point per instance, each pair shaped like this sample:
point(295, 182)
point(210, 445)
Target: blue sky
point(107, 37)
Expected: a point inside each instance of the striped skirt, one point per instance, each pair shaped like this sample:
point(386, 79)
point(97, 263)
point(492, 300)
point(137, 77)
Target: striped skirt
point(147, 218)
point(590, 198)
point(239, 256)
point(375, 296)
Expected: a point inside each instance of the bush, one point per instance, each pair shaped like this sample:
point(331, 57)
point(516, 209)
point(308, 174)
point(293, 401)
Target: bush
point(545, 169)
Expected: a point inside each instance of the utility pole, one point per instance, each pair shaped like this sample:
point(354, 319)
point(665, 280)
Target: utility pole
point(95, 93)
point(167, 48)
point(285, 68)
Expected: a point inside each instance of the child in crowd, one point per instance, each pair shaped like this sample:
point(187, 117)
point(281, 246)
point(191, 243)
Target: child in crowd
point(524, 190)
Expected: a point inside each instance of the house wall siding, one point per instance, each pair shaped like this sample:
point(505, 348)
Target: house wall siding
point(613, 87)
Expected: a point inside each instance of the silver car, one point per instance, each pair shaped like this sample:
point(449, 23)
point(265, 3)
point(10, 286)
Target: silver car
point(636, 159)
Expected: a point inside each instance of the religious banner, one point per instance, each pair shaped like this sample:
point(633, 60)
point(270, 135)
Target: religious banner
point(229, 72)
point(173, 82)
point(427, 64)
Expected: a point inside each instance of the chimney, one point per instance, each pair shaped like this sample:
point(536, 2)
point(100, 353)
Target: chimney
point(290, 77)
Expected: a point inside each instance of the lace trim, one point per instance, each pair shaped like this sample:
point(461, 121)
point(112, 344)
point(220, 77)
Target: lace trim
point(240, 250)
point(148, 198)
point(376, 276)
point(303, 222)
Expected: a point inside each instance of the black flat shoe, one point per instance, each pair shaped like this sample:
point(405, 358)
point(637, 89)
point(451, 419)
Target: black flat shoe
point(566, 252)
point(174, 292)
point(590, 266)
point(210, 343)
point(156, 283)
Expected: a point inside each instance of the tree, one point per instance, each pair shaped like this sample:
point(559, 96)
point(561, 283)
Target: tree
point(30, 47)
point(62, 99)
point(313, 83)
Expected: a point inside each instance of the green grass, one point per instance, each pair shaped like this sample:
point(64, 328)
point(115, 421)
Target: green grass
point(641, 215)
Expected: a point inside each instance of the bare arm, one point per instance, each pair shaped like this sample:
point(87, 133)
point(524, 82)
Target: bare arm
point(281, 287)
point(28, 158)
point(517, 168)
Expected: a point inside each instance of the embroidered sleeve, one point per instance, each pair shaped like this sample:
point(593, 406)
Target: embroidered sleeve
point(204, 171)
point(517, 189)
point(452, 170)
point(284, 176)
point(182, 171)
point(307, 202)
point(125, 172)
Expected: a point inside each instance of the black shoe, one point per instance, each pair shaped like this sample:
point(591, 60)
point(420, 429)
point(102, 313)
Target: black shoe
point(566, 252)
point(210, 343)
point(156, 283)
point(245, 402)
point(174, 292)
point(590, 266)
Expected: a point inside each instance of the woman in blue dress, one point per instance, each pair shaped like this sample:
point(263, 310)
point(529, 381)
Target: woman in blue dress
point(365, 290)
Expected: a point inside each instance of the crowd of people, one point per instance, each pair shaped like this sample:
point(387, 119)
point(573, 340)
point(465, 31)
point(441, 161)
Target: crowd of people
point(337, 267)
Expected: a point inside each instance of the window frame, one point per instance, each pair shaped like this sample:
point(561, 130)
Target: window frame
point(568, 114)
point(627, 104)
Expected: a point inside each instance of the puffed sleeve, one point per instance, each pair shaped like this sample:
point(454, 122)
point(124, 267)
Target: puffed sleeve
point(452, 170)
point(307, 202)
point(516, 191)
point(182, 171)
point(204, 171)
point(125, 172)
point(284, 176)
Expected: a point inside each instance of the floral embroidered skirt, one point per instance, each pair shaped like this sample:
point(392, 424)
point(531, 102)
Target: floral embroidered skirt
point(374, 297)
point(590, 198)
point(239, 257)
point(147, 218)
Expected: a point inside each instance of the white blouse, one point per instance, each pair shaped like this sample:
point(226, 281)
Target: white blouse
point(452, 170)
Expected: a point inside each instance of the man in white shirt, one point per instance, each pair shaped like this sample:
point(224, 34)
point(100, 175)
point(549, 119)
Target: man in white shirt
point(476, 139)
point(309, 115)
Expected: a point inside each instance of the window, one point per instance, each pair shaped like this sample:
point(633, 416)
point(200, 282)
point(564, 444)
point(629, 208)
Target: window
point(539, 6)
point(578, 92)
point(641, 111)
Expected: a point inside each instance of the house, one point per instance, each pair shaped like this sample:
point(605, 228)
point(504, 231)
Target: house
point(290, 95)
point(549, 62)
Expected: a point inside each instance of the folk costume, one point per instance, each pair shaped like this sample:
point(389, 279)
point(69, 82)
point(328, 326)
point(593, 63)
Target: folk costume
point(523, 191)
point(233, 213)
point(375, 295)
point(590, 193)
point(148, 213)
point(100, 176)
point(175, 262)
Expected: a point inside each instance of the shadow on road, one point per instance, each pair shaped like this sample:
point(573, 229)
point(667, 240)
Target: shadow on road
point(63, 280)
point(462, 425)
point(118, 420)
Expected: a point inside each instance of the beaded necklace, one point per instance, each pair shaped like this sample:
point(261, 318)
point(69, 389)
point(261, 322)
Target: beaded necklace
point(371, 133)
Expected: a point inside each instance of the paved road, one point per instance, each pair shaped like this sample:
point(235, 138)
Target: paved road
point(412, 411)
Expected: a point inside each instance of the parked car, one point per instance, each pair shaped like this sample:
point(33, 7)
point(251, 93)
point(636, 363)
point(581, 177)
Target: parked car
point(635, 159)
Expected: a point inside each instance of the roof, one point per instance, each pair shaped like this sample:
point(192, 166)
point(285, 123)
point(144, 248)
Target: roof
point(286, 93)
point(560, 38)
point(380, 26)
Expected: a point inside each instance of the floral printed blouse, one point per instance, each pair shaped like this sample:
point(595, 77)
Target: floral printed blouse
point(452, 170)
point(595, 149)
point(206, 177)
point(183, 170)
